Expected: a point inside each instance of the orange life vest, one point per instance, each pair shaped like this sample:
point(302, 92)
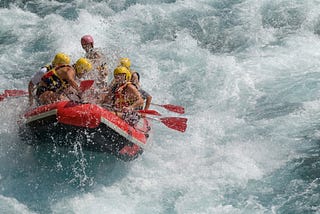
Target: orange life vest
point(121, 100)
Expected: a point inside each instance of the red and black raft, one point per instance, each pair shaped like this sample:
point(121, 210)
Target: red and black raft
point(96, 128)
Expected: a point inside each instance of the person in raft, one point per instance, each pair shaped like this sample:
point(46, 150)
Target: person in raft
point(124, 62)
point(98, 61)
point(135, 79)
point(59, 59)
point(124, 98)
point(55, 84)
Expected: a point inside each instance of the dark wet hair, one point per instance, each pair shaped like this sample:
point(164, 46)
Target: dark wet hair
point(138, 76)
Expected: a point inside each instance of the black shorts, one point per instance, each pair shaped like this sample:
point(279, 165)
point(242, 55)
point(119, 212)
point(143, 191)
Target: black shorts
point(41, 90)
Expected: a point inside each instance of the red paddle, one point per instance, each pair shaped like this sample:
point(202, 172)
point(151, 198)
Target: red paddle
point(152, 112)
point(148, 111)
point(170, 107)
point(86, 84)
point(12, 93)
point(176, 123)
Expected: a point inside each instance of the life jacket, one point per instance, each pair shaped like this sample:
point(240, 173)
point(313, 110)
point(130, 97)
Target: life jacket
point(120, 100)
point(53, 81)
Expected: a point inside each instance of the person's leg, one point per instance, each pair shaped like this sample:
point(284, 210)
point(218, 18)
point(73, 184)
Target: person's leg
point(48, 97)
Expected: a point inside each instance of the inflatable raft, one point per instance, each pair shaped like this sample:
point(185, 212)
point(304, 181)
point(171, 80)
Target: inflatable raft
point(96, 128)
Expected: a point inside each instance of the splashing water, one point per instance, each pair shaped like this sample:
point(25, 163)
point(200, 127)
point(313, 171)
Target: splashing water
point(246, 71)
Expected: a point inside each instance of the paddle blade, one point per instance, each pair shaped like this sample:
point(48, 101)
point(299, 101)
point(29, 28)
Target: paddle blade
point(176, 123)
point(86, 84)
point(14, 93)
point(152, 112)
point(173, 108)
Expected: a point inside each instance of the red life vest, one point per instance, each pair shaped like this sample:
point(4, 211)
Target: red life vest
point(120, 98)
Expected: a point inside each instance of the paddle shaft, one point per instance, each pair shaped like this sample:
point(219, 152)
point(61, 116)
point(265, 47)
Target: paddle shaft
point(148, 111)
point(176, 123)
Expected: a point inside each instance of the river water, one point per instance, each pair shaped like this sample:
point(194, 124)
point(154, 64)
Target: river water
point(247, 72)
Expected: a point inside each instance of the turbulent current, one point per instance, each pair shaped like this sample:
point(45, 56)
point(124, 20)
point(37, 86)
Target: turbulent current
point(247, 72)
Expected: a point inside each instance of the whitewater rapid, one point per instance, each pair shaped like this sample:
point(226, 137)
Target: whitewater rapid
point(246, 71)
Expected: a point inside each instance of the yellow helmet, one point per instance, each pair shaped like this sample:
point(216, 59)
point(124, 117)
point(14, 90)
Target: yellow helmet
point(122, 70)
point(61, 58)
point(82, 66)
point(125, 62)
